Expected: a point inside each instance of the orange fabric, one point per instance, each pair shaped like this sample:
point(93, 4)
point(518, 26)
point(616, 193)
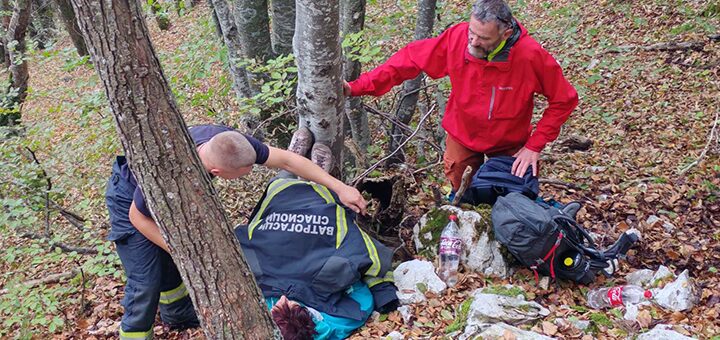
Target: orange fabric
point(456, 158)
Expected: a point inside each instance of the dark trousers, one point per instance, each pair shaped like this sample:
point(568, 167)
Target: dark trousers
point(152, 277)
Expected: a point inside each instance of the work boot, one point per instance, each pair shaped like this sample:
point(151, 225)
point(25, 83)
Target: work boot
point(322, 156)
point(571, 209)
point(301, 141)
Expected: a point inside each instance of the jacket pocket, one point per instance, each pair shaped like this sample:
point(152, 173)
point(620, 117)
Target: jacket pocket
point(337, 274)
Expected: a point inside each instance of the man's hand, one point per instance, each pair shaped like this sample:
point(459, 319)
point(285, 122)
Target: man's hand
point(352, 199)
point(346, 88)
point(524, 159)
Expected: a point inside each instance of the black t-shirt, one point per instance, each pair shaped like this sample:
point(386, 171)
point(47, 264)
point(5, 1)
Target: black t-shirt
point(200, 135)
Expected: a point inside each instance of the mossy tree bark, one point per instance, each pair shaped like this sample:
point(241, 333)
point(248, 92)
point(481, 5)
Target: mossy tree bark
point(320, 100)
point(177, 187)
point(231, 37)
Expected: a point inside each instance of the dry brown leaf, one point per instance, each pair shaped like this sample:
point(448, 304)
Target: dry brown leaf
point(549, 328)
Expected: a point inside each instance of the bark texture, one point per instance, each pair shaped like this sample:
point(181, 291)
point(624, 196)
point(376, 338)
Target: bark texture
point(67, 14)
point(408, 103)
point(231, 37)
point(283, 26)
point(177, 187)
point(253, 26)
point(320, 100)
point(353, 21)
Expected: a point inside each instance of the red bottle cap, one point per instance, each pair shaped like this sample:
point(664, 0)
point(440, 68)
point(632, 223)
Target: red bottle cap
point(648, 294)
point(453, 218)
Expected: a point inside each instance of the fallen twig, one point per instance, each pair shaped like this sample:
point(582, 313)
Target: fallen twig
point(712, 136)
point(558, 183)
point(464, 182)
point(374, 166)
point(65, 248)
point(401, 125)
point(54, 278)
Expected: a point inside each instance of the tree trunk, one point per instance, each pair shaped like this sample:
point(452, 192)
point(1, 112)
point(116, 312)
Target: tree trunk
point(67, 14)
point(216, 21)
point(15, 40)
point(165, 163)
point(353, 21)
point(5, 19)
point(241, 85)
point(42, 25)
point(320, 100)
point(423, 30)
point(253, 26)
point(283, 26)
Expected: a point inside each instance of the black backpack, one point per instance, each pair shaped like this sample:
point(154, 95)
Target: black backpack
point(494, 179)
point(549, 241)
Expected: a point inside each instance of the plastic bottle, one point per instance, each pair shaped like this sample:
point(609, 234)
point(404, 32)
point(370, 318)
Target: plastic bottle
point(617, 296)
point(450, 248)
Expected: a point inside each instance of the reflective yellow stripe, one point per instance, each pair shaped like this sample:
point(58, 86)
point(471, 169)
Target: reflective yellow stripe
point(323, 192)
point(135, 335)
point(372, 253)
point(372, 280)
point(273, 189)
point(342, 227)
point(173, 295)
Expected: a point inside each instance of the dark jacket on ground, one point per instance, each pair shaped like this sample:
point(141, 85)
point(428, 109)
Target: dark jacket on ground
point(302, 243)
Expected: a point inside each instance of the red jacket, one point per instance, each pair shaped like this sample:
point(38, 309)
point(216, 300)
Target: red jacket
point(491, 103)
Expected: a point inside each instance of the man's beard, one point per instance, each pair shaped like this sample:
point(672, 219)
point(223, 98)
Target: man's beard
point(477, 52)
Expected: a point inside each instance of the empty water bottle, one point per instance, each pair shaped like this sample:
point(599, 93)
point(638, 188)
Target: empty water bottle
point(617, 296)
point(450, 248)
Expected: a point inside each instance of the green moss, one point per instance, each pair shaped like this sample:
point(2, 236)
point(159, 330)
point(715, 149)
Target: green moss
point(461, 315)
point(437, 219)
point(505, 291)
point(600, 319)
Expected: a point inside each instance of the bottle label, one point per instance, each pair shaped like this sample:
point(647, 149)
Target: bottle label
point(450, 245)
point(615, 296)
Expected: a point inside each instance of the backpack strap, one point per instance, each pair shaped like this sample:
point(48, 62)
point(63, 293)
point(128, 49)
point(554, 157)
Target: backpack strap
point(550, 255)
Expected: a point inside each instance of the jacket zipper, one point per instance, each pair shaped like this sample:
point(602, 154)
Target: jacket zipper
point(492, 102)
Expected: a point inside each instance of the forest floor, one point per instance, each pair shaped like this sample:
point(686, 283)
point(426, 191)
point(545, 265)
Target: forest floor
point(650, 115)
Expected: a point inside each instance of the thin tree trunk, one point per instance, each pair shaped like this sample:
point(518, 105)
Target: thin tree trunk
point(165, 163)
point(317, 52)
point(216, 21)
point(67, 14)
point(231, 37)
point(15, 38)
point(353, 21)
point(5, 19)
point(283, 26)
point(406, 110)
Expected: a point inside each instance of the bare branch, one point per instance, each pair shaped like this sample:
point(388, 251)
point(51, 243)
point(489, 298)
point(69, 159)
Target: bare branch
point(711, 138)
point(53, 278)
point(374, 166)
point(463, 185)
point(65, 248)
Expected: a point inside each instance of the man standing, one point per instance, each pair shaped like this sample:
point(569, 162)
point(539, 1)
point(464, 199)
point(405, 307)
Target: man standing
point(152, 278)
point(495, 69)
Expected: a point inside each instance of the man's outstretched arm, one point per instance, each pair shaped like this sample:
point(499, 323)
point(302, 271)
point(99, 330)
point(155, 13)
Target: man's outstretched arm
point(147, 226)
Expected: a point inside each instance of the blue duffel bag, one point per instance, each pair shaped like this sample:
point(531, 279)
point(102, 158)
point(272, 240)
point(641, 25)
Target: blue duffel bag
point(494, 179)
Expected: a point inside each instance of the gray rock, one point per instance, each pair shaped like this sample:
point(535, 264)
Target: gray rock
point(573, 321)
point(487, 309)
point(498, 331)
point(407, 313)
point(678, 295)
point(412, 277)
point(395, 335)
point(481, 253)
point(642, 277)
point(544, 283)
point(652, 219)
point(662, 332)
point(631, 312)
point(661, 273)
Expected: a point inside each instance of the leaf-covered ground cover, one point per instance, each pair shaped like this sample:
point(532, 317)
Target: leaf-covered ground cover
point(648, 113)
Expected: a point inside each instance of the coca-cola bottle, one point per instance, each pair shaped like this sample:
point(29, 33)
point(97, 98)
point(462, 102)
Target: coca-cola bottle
point(617, 296)
point(450, 248)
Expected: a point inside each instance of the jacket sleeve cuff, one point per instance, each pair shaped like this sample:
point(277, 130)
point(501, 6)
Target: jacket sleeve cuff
point(535, 144)
point(385, 297)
